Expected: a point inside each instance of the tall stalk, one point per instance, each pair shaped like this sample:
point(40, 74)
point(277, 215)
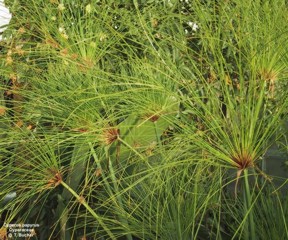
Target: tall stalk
point(82, 201)
point(250, 232)
point(122, 219)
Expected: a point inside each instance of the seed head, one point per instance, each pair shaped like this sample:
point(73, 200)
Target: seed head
point(110, 135)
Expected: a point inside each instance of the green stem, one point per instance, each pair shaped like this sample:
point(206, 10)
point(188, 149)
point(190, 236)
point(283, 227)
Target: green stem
point(158, 136)
point(263, 168)
point(118, 197)
point(131, 148)
point(85, 204)
point(108, 186)
point(134, 150)
point(248, 204)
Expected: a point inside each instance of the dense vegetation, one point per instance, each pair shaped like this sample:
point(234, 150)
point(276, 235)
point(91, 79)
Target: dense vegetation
point(144, 119)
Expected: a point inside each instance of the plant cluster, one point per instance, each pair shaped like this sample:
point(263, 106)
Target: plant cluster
point(143, 119)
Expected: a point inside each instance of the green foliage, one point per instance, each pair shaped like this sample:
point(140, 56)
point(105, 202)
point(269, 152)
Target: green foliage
point(143, 119)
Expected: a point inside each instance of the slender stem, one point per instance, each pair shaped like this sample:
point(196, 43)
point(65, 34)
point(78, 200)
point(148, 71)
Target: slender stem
point(108, 186)
point(248, 204)
point(98, 163)
point(157, 133)
point(127, 145)
point(85, 204)
point(246, 223)
point(135, 151)
point(64, 233)
point(118, 196)
point(263, 168)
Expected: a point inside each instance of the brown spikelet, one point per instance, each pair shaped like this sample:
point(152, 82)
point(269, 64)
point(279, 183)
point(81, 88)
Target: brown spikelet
point(52, 43)
point(110, 135)
point(152, 117)
point(243, 160)
point(154, 22)
point(98, 172)
point(21, 30)
point(81, 199)
point(64, 52)
point(55, 180)
point(2, 110)
point(270, 76)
